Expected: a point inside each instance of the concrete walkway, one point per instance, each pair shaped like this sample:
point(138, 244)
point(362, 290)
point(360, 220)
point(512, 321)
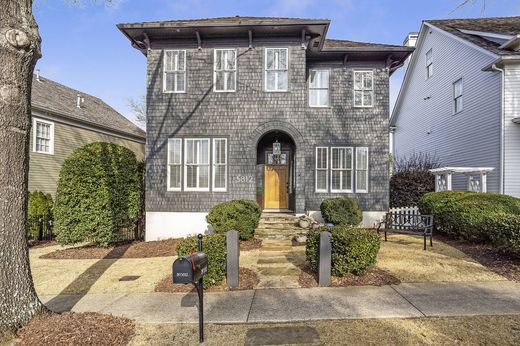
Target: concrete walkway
point(285, 305)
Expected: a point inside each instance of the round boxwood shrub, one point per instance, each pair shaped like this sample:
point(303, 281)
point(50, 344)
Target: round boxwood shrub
point(213, 245)
point(98, 194)
point(462, 214)
point(241, 215)
point(341, 211)
point(354, 250)
point(40, 207)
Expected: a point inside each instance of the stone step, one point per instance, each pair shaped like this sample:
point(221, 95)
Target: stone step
point(278, 282)
point(279, 271)
point(277, 242)
point(276, 248)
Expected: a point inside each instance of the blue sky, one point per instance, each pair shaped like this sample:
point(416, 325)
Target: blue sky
point(83, 49)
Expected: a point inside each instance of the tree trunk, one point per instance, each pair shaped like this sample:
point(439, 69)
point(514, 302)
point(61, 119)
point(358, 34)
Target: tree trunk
point(19, 51)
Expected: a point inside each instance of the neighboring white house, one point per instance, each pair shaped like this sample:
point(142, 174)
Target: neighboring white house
point(460, 99)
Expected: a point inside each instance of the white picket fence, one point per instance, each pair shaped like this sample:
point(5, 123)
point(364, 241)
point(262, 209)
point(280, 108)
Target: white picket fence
point(405, 210)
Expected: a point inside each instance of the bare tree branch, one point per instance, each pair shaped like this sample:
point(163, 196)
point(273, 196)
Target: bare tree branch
point(138, 108)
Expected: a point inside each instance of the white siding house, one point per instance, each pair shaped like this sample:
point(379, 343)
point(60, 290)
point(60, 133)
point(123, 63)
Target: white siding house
point(451, 102)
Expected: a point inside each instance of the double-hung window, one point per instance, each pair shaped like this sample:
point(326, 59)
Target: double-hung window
point(174, 80)
point(361, 169)
point(457, 96)
point(219, 164)
point(322, 167)
point(43, 140)
point(174, 164)
point(363, 88)
point(319, 88)
point(341, 169)
point(276, 69)
point(429, 63)
point(225, 66)
point(196, 164)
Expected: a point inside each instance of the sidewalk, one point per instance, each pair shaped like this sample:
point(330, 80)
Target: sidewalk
point(289, 305)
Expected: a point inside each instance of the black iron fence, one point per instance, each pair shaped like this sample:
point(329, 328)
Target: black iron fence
point(40, 228)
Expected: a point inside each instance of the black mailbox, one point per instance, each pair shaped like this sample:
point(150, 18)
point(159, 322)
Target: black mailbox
point(190, 269)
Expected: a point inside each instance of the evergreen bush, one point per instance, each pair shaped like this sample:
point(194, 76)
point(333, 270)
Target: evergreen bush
point(241, 215)
point(341, 211)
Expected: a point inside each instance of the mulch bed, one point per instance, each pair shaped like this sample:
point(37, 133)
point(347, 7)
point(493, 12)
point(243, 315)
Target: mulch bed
point(496, 260)
point(251, 244)
point(248, 279)
point(136, 249)
point(374, 277)
point(70, 328)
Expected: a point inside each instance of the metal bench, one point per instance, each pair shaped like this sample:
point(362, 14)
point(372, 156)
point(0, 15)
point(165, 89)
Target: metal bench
point(405, 223)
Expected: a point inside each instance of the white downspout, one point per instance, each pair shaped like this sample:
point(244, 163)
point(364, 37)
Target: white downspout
point(502, 128)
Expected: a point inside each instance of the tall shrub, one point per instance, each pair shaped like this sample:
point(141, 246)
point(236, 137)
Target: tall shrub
point(241, 215)
point(341, 211)
point(98, 194)
point(412, 179)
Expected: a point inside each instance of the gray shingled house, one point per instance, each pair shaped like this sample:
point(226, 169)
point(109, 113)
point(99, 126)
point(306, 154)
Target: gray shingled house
point(261, 108)
point(65, 119)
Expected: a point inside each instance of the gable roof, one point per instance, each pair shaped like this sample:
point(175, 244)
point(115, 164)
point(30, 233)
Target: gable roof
point(497, 25)
point(50, 96)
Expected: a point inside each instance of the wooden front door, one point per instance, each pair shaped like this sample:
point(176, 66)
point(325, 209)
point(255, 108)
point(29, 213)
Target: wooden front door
point(276, 180)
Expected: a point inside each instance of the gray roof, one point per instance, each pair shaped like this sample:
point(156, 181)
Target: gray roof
point(497, 25)
point(235, 20)
point(61, 100)
point(345, 44)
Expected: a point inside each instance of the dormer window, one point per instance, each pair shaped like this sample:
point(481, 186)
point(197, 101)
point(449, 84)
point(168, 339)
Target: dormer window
point(276, 69)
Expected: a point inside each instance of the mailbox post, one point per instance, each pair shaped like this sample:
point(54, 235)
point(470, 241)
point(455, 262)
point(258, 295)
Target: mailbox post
point(191, 269)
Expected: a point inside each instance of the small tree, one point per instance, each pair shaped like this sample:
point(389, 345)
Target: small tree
point(98, 194)
point(412, 179)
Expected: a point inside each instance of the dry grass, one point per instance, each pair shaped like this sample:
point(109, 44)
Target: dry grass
point(404, 257)
point(479, 330)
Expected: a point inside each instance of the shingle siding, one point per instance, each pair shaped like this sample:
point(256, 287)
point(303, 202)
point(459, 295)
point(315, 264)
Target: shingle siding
point(245, 115)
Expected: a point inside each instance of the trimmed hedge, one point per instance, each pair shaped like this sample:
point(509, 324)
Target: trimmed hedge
point(40, 206)
point(241, 215)
point(213, 245)
point(354, 249)
point(463, 214)
point(341, 211)
point(504, 231)
point(98, 194)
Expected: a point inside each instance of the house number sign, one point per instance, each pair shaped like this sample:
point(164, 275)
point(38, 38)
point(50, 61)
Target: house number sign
point(243, 179)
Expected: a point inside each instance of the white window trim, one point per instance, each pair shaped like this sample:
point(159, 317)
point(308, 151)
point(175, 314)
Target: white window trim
point(213, 165)
point(354, 89)
point(164, 72)
point(341, 169)
point(367, 169)
point(428, 65)
point(326, 169)
point(51, 132)
point(186, 188)
point(455, 111)
point(215, 71)
point(168, 187)
point(328, 88)
point(265, 71)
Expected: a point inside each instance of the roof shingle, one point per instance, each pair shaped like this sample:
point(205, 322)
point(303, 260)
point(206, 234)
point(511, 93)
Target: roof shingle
point(51, 96)
point(497, 25)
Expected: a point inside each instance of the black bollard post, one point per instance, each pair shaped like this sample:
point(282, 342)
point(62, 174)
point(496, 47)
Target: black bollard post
point(200, 291)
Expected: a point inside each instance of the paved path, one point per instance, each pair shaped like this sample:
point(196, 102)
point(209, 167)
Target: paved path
point(278, 262)
point(284, 305)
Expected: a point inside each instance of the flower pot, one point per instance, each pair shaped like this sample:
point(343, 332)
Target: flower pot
point(304, 223)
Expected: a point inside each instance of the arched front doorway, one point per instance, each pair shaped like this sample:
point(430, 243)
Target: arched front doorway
point(275, 171)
